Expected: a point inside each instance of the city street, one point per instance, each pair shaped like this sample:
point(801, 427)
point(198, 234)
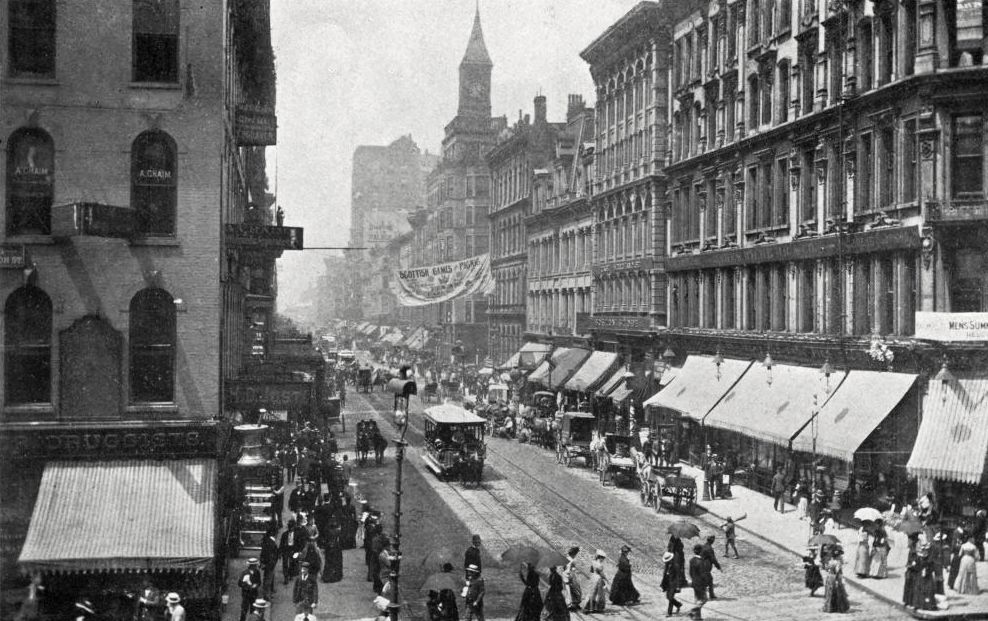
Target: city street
point(528, 498)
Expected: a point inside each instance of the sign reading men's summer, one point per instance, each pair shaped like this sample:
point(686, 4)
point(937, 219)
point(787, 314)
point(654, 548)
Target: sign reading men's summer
point(437, 283)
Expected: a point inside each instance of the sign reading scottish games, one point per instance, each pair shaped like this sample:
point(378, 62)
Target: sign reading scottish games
point(419, 286)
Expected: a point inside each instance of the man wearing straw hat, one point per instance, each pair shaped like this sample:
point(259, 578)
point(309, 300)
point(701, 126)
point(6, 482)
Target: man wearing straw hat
point(250, 585)
point(260, 606)
point(474, 594)
point(176, 612)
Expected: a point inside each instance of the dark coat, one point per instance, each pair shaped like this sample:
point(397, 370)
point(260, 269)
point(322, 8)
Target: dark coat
point(472, 557)
point(269, 552)
point(305, 590)
point(623, 590)
point(709, 556)
point(699, 575)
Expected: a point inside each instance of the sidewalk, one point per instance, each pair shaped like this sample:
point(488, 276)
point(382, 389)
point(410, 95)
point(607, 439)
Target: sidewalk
point(787, 531)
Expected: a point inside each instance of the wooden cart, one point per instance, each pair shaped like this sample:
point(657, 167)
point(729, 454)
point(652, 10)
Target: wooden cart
point(575, 434)
point(617, 464)
point(658, 481)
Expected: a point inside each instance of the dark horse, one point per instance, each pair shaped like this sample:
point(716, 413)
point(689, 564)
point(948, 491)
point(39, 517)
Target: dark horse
point(380, 445)
point(363, 445)
point(470, 467)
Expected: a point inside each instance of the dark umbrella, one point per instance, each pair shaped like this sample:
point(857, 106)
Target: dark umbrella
point(551, 558)
point(519, 553)
point(820, 539)
point(909, 526)
point(683, 529)
point(437, 557)
point(439, 582)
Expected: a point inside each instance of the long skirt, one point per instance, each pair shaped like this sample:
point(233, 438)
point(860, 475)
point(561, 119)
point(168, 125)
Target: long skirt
point(880, 562)
point(834, 595)
point(803, 507)
point(596, 594)
point(531, 605)
point(555, 608)
point(967, 577)
point(572, 593)
point(923, 591)
point(862, 560)
point(333, 567)
point(812, 577)
point(623, 590)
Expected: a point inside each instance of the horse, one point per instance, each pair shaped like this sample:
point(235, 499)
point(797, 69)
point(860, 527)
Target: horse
point(543, 429)
point(363, 446)
point(380, 445)
point(470, 468)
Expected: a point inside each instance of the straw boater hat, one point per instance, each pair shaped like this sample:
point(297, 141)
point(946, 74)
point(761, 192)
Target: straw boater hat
point(88, 605)
point(253, 561)
point(473, 568)
point(173, 598)
point(261, 603)
point(600, 554)
point(668, 556)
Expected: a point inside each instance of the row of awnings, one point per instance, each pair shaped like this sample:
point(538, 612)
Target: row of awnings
point(123, 516)
point(779, 405)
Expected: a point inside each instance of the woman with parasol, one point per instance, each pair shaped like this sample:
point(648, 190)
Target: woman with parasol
point(531, 599)
point(880, 551)
point(678, 530)
point(597, 586)
point(623, 591)
point(862, 554)
point(834, 593)
point(555, 604)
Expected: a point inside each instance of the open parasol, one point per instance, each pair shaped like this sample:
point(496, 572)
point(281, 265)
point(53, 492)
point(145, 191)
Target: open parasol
point(683, 529)
point(867, 514)
point(909, 526)
point(821, 539)
point(439, 582)
point(535, 556)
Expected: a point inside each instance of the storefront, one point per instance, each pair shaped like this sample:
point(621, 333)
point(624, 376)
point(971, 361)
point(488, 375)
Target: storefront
point(948, 458)
point(677, 411)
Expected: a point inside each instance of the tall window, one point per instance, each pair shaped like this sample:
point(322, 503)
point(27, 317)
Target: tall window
point(806, 73)
point(754, 195)
point(730, 215)
point(807, 186)
point(154, 183)
point(152, 346)
point(783, 105)
point(967, 174)
point(866, 163)
point(910, 164)
point(753, 99)
point(27, 346)
point(32, 38)
point(764, 215)
point(865, 56)
point(767, 98)
point(155, 41)
point(781, 216)
point(754, 23)
point(30, 182)
point(807, 297)
point(886, 170)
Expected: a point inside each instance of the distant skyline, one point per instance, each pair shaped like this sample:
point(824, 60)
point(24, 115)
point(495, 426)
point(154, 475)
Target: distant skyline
point(353, 72)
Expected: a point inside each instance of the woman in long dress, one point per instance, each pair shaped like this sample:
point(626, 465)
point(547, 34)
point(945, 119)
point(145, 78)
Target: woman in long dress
point(880, 551)
point(811, 572)
point(555, 608)
point(923, 585)
point(967, 576)
point(571, 585)
point(834, 593)
point(862, 555)
point(597, 586)
point(623, 591)
point(531, 599)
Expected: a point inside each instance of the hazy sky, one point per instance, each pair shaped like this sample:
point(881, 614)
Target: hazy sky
point(353, 72)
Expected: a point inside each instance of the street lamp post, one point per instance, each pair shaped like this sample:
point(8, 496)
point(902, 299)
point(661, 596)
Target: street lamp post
point(402, 397)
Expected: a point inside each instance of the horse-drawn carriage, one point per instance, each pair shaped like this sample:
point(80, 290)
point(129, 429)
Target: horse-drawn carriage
point(365, 377)
point(575, 435)
point(369, 439)
point(616, 463)
point(430, 391)
point(658, 481)
point(454, 443)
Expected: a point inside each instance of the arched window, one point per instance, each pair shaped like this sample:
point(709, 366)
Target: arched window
point(155, 48)
point(154, 183)
point(152, 346)
point(27, 346)
point(32, 38)
point(30, 182)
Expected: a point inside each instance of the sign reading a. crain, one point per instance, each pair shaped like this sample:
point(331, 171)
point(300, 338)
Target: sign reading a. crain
point(952, 326)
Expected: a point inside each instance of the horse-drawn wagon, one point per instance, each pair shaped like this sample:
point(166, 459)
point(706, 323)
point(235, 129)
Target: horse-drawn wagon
point(616, 464)
point(365, 376)
point(454, 443)
point(655, 482)
point(575, 435)
point(369, 439)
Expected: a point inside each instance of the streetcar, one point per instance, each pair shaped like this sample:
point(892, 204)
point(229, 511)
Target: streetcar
point(454, 443)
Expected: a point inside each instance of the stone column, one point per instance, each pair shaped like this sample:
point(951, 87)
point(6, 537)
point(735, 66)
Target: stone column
point(927, 56)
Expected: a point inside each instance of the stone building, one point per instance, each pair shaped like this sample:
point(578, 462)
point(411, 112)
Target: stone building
point(826, 176)
point(135, 230)
point(559, 228)
point(520, 150)
point(629, 65)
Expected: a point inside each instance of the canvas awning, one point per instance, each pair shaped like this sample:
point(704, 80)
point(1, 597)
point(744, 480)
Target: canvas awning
point(953, 435)
point(846, 420)
point(613, 381)
point(136, 515)
point(770, 411)
point(532, 354)
point(593, 371)
point(512, 362)
point(696, 389)
point(449, 413)
point(554, 372)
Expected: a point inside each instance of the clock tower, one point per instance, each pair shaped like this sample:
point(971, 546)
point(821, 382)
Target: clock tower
point(475, 76)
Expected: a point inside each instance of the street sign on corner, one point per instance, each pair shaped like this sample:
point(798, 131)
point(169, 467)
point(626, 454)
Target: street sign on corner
point(12, 257)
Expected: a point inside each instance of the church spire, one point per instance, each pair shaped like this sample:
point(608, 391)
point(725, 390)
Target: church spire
point(476, 53)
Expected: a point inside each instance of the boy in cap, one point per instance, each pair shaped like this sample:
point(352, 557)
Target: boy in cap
point(474, 594)
point(306, 589)
point(250, 585)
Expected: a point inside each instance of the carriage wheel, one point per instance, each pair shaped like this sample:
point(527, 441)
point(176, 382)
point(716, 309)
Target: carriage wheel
point(567, 457)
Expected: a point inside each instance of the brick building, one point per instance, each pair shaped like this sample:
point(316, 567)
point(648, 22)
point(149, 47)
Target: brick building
point(826, 174)
point(520, 150)
point(130, 255)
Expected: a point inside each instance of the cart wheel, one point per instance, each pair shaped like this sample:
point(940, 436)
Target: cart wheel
point(567, 458)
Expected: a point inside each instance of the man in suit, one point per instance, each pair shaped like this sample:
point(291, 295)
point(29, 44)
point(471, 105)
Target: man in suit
point(709, 562)
point(778, 491)
point(472, 555)
point(698, 576)
point(250, 586)
point(305, 592)
point(269, 559)
point(475, 594)
point(286, 548)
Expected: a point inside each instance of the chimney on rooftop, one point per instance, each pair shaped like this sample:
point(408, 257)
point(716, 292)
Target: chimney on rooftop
point(540, 109)
point(574, 106)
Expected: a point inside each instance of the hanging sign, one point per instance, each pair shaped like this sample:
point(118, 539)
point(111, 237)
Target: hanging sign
point(438, 283)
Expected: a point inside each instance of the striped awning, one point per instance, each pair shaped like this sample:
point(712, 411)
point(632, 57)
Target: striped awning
point(593, 372)
point(123, 516)
point(697, 387)
point(953, 436)
point(554, 372)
